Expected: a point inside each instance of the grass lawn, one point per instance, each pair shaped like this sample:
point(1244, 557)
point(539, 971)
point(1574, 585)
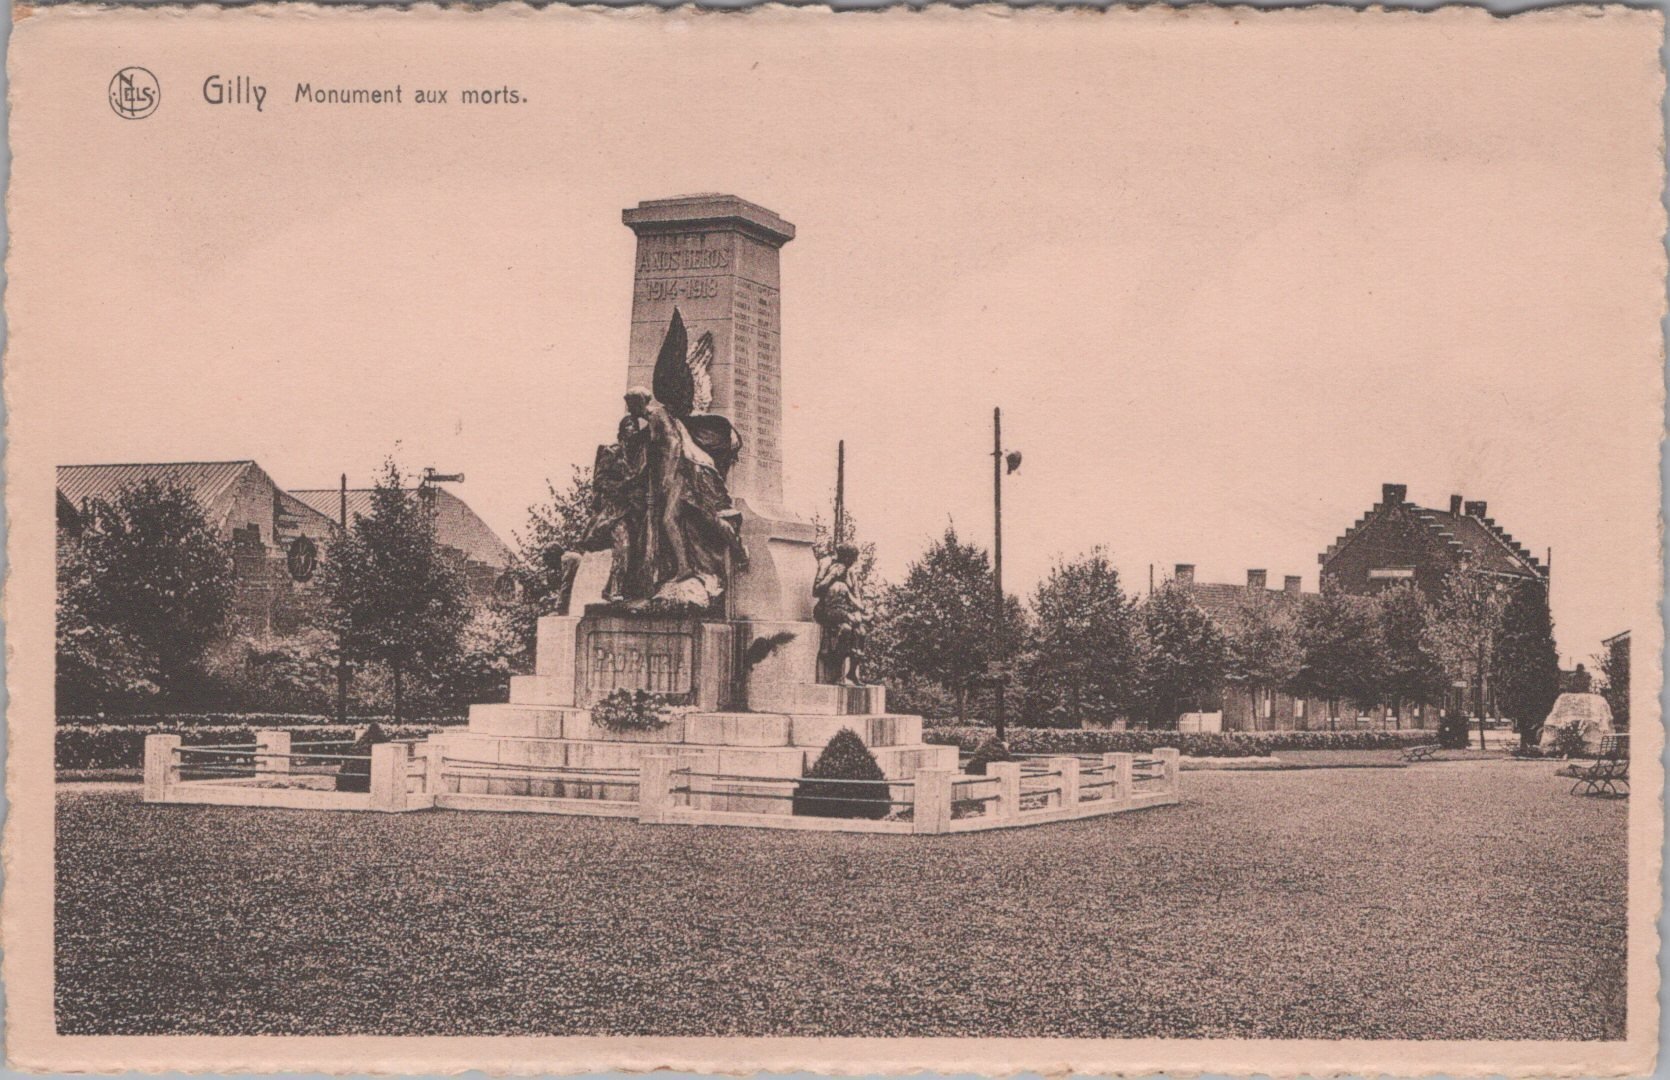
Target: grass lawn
point(1448, 901)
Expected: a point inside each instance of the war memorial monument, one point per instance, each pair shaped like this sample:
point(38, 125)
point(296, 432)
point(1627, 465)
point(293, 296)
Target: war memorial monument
point(704, 655)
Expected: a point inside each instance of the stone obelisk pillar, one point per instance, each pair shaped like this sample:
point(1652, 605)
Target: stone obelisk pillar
point(714, 258)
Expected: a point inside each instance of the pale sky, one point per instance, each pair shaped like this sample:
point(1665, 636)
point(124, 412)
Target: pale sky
point(1224, 280)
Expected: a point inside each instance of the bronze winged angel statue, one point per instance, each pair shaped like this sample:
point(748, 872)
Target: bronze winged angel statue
point(659, 501)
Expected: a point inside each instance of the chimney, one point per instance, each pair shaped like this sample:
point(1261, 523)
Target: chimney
point(1392, 494)
point(1455, 505)
point(1291, 583)
point(1185, 574)
point(1255, 579)
point(1476, 508)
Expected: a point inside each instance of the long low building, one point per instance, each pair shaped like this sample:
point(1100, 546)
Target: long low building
point(268, 529)
point(278, 537)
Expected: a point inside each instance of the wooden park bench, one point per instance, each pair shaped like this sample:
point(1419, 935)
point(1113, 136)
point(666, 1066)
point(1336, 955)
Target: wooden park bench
point(1421, 752)
point(1608, 775)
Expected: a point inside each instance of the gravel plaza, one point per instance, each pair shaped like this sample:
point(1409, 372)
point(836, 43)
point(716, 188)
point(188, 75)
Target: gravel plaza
point(1453, 900)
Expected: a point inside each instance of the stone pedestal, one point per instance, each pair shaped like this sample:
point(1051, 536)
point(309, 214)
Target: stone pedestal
point(715, 259)
point(756, 712)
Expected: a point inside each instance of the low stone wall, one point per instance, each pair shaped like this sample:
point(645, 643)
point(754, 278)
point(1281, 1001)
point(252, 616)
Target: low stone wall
point(404, 776)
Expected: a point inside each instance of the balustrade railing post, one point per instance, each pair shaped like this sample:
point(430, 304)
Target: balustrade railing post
point(1008, 774)
point(161, 765)
point(655, 788)
point(931, 811)
point(434, 781)
point(1171, 758)
point(1068, 781)
point(1120, 792)
point(389, 764)
point(272, 742)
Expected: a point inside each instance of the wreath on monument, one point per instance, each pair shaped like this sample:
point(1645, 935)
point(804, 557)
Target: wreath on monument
point(636, 710)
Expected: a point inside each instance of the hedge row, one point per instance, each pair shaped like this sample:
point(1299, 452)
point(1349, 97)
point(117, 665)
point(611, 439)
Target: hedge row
point(1191, 743)
point(122, 746)
point(246, 720)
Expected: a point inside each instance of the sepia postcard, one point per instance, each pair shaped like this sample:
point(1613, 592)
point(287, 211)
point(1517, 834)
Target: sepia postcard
point(970, 539)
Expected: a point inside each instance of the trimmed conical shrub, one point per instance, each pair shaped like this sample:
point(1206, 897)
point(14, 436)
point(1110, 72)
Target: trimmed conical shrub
point(845, 758)
point(987, 752)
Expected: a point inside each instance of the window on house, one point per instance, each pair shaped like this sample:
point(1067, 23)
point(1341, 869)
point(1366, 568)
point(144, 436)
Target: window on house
point(1298, 708)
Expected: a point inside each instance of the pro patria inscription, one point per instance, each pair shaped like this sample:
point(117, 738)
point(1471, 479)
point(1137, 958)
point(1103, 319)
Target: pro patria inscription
point(644, 654)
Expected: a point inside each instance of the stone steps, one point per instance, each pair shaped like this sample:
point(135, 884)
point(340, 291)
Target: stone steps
point(459, 752)
point(519, 720)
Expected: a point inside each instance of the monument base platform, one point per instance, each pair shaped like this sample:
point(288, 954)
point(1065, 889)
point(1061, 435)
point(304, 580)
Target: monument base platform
point(581, 759)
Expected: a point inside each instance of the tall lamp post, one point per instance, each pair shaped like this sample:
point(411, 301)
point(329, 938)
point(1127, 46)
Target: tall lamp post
point(1002, 464)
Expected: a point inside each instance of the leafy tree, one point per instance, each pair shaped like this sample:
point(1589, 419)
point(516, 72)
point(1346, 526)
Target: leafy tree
point(1340, 649)
point(150, 588)
point(1409, 673)
point(554, 527)
point(1264, 649)
point(1613, 665)
point(287, 673)
point(398, 596)
point(1525, 664)
point(1461, 630)
point(1083, 653)
point(1183, 655)
point(937, 623)
point(823, 546)
point(99, 665)
point(481, 668)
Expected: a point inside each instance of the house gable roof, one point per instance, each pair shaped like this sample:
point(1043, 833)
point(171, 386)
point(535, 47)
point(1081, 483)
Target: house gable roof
point(456, 525)
point(211, 483)
point(1490, 547)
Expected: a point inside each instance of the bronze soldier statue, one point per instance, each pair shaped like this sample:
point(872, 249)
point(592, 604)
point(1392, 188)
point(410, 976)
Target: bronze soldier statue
point(840, 611)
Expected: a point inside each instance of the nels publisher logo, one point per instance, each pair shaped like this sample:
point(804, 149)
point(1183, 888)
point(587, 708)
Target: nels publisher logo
point(134, 93)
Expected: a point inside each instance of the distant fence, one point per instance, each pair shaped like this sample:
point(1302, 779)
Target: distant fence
point(265, 773)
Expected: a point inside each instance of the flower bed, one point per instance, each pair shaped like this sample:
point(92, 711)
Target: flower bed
point(122, 746)
point(1232, 744)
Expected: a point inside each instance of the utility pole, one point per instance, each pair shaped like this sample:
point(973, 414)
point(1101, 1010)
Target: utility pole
point(997, 566)
point(342, 631)
point(838, 532)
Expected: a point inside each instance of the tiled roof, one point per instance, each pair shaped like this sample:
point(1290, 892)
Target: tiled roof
point(1221, 600)
point(456, 525)
point(1489, 545)
point(211, 483)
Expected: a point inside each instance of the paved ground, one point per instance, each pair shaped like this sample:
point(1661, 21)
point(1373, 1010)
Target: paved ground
point(1470, 900)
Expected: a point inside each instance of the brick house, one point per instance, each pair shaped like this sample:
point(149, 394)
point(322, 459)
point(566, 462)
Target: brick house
point(1397, 540)
point(262, 523)
point(1280, 712)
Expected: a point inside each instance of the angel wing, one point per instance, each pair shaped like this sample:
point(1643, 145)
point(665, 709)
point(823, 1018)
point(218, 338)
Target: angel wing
point(673, 385)
point(684, 386)
point(701, 373)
